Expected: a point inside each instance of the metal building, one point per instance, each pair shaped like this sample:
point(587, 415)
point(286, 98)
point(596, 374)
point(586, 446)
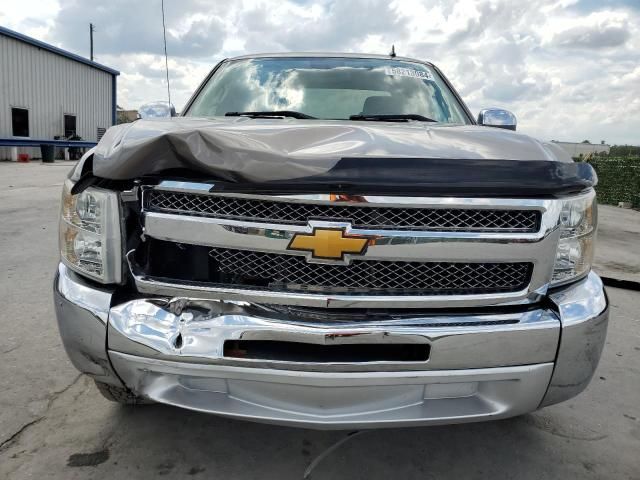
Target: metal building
point(582, 149)
point(48, 95)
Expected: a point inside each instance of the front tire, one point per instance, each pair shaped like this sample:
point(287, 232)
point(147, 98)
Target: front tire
point(120, 395)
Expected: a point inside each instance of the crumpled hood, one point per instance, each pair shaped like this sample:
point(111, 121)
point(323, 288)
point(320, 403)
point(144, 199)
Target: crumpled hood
point(240, 149)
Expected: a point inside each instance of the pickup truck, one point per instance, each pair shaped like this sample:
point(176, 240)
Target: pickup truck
point(331, 241)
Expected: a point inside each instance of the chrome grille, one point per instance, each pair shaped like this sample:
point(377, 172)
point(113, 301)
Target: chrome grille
point(292, 272)
point(364, 217)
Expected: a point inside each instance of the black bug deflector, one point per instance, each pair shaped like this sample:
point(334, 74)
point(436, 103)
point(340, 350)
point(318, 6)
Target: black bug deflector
point(437, 177)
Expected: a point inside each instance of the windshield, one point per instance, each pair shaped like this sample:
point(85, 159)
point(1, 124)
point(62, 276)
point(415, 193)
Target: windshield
point(328, 88)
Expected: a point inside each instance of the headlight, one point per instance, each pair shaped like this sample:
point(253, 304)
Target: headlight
point(578, 222)
point(90, 233)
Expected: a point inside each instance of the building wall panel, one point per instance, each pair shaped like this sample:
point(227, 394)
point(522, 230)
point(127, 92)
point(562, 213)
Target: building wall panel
point(50, 85)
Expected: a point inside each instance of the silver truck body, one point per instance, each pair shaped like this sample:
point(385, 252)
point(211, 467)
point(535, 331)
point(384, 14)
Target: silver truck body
point(502, 343)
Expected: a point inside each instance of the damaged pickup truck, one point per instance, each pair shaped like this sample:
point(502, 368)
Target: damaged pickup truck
point(331, 241)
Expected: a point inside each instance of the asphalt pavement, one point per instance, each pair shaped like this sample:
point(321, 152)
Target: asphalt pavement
point(55, 425)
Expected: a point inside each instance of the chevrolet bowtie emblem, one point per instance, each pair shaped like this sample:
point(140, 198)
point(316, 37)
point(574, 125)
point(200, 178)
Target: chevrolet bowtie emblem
point(328, 243)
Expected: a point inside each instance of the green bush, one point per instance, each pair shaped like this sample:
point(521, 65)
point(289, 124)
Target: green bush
point(618, 179)
point(624, 151)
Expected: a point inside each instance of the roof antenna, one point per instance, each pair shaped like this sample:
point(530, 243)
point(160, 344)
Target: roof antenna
point(392, 54)
point(166, 60)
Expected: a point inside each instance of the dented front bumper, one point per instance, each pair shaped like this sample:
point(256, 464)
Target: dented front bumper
point(479, 367)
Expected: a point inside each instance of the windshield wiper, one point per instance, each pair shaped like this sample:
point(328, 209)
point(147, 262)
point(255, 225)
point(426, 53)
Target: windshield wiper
point(394, 117)
point(275, 113)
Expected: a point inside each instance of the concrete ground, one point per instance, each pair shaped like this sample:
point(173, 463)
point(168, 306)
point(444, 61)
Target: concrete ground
point(618, 247)
point(54, 424)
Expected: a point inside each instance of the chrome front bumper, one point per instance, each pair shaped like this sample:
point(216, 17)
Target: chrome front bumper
point(480, 366)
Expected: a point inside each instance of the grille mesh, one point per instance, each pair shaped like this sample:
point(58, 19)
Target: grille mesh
point(291, 272)
point(404, 218)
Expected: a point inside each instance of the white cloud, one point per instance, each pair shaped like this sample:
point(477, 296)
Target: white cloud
point(602, 29)
point(567, 68)
point(19, 15)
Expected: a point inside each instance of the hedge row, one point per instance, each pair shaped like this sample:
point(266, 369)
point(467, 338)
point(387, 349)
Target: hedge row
point(618, 179)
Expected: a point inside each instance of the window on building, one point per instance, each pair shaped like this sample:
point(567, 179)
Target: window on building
point(69, 126)
point(20, 122)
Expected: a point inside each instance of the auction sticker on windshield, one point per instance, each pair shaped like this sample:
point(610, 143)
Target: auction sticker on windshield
point(408, 72)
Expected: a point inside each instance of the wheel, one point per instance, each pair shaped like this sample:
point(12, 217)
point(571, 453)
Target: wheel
point(120, 395)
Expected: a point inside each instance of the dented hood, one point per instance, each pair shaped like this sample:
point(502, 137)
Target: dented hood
point(243, 149)
point(289, 155)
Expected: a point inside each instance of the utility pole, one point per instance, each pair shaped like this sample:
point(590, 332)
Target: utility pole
point(91, 30)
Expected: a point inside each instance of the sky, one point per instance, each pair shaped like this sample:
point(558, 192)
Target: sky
point(568, 69)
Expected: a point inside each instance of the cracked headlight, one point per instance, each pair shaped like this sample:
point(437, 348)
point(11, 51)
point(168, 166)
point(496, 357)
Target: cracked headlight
point(578, 222)
point(90, 233)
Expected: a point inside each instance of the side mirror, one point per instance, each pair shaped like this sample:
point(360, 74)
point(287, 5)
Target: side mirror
point(497, 117)
point(157, 110)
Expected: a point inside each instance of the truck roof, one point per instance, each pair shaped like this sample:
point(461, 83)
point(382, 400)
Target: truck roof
point(327, 55)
